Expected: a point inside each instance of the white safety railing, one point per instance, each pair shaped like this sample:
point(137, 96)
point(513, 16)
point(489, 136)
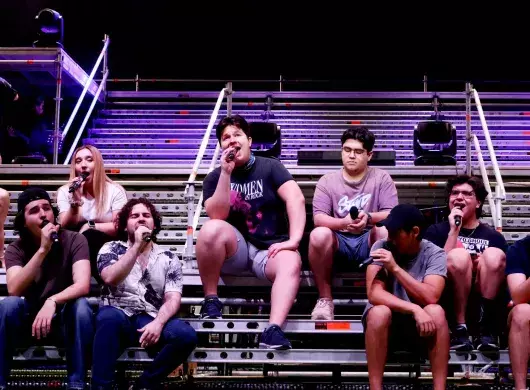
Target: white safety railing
point(500, 191)
point(87, 85)
point(189, 192)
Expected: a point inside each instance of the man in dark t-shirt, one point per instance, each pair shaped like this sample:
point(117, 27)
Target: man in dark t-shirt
point(247, 199)
point(518, 274)
point(472, 248)
point(51, 271)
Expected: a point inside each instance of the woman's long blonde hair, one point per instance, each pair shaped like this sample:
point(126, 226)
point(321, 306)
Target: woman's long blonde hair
point(99, 177)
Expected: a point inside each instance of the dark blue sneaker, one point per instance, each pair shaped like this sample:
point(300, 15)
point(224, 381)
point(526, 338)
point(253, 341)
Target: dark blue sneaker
point(211, 308)
point(460, 340)
point(274, 338)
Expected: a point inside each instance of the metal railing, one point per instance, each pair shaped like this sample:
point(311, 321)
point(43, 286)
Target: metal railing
point(193, 215)
point(102, 55)
point(496, 200)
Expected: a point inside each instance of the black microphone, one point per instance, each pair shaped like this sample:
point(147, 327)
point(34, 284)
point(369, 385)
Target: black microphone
point(148, 237)
point(370, 260)
point(354, 213)
point(54, 236)
point(232, 154)
point(458, 218)
point(76, 184)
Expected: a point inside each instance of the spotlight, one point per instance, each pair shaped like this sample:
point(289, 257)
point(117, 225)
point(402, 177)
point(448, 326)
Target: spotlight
point(435, 140)
point(50, 29)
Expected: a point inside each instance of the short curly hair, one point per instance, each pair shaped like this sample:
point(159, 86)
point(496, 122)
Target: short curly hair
point(123, 217)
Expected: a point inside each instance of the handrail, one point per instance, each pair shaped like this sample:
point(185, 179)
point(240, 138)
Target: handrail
point(493, 209)
point(500, 191)
point(190, 189)
point(85, 120)
point(87, 85)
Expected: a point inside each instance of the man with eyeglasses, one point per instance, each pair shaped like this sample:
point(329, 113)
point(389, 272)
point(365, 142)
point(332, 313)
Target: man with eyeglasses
point(475, 256)
point(346, 206)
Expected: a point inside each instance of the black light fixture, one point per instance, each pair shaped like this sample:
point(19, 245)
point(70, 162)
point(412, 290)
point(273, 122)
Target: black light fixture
point(50, 29)
point(435, 140)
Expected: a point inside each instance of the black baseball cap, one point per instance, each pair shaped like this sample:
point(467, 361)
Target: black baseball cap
point(29, 195)
point(403, 216)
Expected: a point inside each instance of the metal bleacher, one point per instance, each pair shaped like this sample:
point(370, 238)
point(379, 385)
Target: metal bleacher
point(149, 141)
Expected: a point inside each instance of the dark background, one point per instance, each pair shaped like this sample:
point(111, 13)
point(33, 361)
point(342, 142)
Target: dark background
point(386, 47)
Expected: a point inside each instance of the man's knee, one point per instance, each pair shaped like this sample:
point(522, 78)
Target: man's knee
point(494, 260)
point(437, 313)
point(81, 310)
point(378, 318)
point(377, 233)
point(179, 332)
point(214, 230)
point(321, 238)
point(520, 316)
point(458, 261)
point(11, 306)
point(4, 198)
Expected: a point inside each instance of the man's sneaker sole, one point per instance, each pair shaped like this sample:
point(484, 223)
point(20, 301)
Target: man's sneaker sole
point(280, 347)
point(207, 317)
point(461, 348)
point(321, 318)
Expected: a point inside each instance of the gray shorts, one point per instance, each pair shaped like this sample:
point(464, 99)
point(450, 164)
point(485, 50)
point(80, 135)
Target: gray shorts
point(247, 260)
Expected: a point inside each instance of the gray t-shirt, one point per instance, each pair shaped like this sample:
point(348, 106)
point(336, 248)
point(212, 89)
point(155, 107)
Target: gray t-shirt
point(335, 196)
point(431, 260)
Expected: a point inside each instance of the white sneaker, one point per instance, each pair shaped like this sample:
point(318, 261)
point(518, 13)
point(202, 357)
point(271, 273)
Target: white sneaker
point(323, 310)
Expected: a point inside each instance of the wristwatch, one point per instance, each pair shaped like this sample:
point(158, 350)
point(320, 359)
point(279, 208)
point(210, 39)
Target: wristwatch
point(91, 224)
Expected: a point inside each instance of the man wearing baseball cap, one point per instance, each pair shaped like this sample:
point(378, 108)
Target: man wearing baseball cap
point(404, 282)
point(50, 269)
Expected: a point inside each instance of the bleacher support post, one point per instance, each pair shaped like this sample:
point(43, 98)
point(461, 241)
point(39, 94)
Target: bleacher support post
point(469, 137)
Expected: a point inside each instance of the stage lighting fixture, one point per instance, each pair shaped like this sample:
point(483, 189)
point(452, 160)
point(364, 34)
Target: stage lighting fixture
point(50, 29)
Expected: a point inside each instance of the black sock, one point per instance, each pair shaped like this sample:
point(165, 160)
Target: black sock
point(487, 313)
point(213, 296)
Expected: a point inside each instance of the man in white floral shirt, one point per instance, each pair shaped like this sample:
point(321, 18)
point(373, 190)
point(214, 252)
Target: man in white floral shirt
point(142, 293)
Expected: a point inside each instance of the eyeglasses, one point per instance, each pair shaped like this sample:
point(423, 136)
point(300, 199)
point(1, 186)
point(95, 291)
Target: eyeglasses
point(465, 194)
point(357, 152)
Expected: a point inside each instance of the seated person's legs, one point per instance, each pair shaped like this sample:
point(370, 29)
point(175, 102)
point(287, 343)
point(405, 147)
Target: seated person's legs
point(13, 323)
point(386, 330)
point(519, 343)
point(284, 271)
point(460, 273)
point(114, 333)
point(4, 208)
point(177, 341)
point(490, 277)
point(77, 319)
point(217, 242)
point(327, 249)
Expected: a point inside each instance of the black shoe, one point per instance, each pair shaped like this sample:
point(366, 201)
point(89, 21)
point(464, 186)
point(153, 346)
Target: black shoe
point(486, 342)
point(274, 338)
point(460, 340)
point(211, 308)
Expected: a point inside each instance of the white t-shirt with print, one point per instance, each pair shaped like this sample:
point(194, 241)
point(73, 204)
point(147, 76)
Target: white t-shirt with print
point(116, 199)
point(142, 290)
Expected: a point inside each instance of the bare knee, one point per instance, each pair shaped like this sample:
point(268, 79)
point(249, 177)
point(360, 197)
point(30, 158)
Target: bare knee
point(437, 313)
point(378, 233)
point(4, 199)
point(321, 239)
point(494, 260)
point(458, 262)
point(290, 264)
point(379, 318)
point(214, 231)
point(520, 316)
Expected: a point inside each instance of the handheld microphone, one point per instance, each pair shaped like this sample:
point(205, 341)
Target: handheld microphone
point(76, 184)
point(370, 260)
point(148, 237)
point(232, 154)
point(354, 213)
point(458, 218)
point(54, 236)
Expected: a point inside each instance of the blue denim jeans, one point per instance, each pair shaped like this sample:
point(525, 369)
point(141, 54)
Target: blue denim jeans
point(73, 323)
point(115, 331)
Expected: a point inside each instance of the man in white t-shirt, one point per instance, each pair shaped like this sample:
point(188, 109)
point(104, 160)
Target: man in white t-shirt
point(142, 294)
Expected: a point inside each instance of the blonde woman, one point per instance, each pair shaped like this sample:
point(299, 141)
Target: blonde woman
point(92, 208)
point(4, 207)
